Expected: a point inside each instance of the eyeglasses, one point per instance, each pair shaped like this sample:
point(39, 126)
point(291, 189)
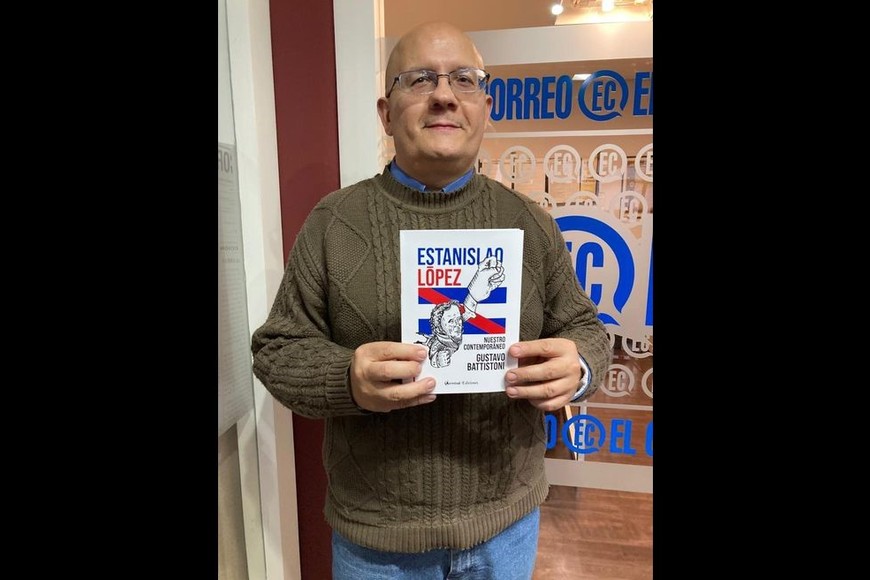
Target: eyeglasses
point(424, 82)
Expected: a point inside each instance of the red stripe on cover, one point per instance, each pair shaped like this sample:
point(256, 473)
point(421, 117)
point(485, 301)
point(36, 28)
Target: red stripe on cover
point(479, 321)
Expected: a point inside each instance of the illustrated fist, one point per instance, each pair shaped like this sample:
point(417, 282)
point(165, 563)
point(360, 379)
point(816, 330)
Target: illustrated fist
point(489, 275)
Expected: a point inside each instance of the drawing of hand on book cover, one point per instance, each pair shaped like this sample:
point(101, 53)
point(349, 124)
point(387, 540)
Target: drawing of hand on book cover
point(446, 318)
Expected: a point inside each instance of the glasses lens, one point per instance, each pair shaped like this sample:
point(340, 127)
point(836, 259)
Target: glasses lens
point(420, 82)
point(467, 80)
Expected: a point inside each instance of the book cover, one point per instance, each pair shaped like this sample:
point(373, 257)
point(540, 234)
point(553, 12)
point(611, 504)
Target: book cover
point(461, 292)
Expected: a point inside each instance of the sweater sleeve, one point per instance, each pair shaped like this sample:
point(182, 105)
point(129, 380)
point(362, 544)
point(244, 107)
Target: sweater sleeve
point(294, 356)
point(573, 315)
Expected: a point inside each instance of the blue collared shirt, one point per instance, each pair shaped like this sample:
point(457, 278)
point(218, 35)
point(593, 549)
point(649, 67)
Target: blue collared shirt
point(406, 179)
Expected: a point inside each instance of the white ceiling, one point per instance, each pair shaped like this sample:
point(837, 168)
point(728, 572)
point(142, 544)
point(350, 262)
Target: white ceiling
point(476, 15)
point(497, 15)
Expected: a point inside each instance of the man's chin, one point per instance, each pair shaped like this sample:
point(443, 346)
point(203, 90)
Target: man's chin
point(448, 156)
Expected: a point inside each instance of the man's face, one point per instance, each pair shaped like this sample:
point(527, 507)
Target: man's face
point(451, 322)
point(439, 131)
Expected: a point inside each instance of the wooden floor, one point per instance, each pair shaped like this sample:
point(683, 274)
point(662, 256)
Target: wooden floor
point(595, 534)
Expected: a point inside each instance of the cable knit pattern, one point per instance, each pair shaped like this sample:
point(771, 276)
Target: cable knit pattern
point(450, 474)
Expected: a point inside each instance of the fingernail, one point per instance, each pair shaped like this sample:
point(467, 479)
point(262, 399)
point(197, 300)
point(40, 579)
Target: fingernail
point(510, 377)
point(512, 391)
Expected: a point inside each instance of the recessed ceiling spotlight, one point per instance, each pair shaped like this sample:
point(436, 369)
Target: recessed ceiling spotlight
point(556, 9)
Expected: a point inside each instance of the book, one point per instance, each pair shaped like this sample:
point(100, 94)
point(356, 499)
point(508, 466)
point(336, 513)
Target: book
point(461, 292)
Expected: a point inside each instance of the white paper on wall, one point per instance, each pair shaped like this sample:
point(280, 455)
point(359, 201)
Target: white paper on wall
point(235, 380)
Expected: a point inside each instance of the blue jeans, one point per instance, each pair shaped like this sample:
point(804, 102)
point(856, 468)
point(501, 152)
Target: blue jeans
point(510, 555)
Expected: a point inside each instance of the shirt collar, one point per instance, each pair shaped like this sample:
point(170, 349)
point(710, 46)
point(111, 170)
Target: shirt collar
point(406, 179)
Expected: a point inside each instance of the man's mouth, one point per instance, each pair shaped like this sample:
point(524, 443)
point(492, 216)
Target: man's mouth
point(441, 126)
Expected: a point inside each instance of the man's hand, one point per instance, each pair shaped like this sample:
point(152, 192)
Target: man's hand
point(548, 375)
point(377, 372)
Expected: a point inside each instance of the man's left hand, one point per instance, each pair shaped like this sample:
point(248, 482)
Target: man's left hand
point(548, 374)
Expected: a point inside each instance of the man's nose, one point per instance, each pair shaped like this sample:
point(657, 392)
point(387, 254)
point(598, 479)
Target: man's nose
point(443, 90)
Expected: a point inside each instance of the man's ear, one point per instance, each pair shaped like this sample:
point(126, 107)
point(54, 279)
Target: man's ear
point(384, 114)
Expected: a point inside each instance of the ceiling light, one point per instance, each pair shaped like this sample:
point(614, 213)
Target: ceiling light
point(556, 9)
point(607, 5)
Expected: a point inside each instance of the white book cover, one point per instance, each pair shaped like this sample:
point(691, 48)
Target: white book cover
point(461, 292)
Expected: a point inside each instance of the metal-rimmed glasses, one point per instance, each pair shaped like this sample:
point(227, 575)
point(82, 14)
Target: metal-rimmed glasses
point(424, 81)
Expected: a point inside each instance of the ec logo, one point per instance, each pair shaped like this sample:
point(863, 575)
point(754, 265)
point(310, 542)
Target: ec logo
point(606, 93)
point(619, 381)
point(562, 164)
point(591, 255)
point(517, 164)
point(585, 434)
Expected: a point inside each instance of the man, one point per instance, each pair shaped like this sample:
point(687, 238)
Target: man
point(421, 486)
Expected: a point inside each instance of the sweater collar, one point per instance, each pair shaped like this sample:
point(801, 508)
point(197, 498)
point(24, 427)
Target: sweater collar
point(427, 201)
point(409, 181)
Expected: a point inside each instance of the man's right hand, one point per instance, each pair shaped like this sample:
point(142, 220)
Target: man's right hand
point(378, 371)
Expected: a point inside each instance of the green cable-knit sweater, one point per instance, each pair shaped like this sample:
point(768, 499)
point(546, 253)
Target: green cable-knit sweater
point(452, 473)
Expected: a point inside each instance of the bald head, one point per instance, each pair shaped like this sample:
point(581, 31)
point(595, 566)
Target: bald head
point(437, 135)
point(430, 38)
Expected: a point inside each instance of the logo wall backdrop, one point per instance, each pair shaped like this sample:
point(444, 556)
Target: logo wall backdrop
point(596, 179)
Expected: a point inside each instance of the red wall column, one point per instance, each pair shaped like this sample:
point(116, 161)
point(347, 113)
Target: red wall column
point(303, 56)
